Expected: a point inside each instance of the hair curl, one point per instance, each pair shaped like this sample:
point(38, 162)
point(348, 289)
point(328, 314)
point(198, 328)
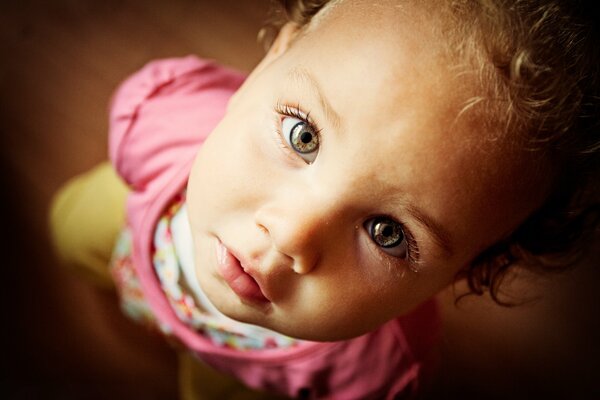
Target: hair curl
point(541, 59)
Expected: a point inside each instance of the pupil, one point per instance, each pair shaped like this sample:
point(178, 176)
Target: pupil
point(387, 231)
point(306, 137)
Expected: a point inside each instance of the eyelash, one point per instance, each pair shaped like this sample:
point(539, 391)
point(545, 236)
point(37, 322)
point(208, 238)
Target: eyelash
point(282, 109)
point(296, 112)
point(412, 249)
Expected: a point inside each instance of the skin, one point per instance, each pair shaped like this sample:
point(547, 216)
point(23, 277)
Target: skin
point(301, 229)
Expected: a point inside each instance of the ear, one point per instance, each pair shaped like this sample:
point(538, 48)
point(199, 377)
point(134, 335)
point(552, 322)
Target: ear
point(280, 45)
point(284, 39)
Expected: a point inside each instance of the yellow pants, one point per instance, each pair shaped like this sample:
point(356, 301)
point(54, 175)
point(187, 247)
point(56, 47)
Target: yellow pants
point(86, 215)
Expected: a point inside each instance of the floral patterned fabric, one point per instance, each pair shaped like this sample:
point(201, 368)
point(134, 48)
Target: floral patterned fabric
point(220, 331)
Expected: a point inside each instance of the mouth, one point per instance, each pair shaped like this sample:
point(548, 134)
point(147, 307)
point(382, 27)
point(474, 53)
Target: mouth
point(240, 282)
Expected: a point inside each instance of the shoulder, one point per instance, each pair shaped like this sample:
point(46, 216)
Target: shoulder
point(165, 104)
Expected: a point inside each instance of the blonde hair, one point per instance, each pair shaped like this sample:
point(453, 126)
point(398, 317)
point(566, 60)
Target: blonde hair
point(538, 62)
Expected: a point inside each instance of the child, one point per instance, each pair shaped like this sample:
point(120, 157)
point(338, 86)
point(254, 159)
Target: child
point(290, 228)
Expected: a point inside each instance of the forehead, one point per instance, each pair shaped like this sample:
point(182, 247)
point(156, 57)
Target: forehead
point(387, 63)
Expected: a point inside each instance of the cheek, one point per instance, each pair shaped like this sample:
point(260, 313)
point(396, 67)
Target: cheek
point(223, 159)
point(346, 305)
point(401, 292)
point(234, 171)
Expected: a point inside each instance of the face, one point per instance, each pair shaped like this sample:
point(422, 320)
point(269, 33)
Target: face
point(342, 189)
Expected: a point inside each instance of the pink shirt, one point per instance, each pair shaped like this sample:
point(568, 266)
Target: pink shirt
point(159, 118)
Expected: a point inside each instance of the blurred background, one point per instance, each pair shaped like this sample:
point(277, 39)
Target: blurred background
point(64, 338)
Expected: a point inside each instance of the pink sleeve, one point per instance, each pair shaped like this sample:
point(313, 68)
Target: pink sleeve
point(162, 109)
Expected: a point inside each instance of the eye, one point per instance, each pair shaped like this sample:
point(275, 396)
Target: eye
point(389, 235)
point(301, 137)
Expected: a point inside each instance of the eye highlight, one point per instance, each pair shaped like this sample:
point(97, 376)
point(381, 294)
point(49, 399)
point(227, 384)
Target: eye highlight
point(299, 133)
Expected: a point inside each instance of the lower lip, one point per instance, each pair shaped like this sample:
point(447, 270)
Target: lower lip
point(239, 281)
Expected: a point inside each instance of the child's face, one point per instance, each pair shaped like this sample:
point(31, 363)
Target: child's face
point(326, 235)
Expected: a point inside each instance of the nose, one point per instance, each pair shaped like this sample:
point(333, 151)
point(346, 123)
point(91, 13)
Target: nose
point(298, 229)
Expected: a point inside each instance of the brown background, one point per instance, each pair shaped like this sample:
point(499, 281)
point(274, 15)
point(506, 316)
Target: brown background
point(63, 338)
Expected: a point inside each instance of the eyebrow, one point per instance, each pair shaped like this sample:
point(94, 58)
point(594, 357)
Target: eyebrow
point(436, 231)
point(303, 76)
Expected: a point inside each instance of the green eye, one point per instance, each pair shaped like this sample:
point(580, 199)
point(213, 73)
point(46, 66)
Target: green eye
point(301, 137)
point(388, 234)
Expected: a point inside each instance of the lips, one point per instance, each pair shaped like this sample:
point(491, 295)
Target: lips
point(242, 283)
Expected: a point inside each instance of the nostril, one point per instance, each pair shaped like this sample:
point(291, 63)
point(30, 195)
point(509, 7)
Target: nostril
point(263, 228)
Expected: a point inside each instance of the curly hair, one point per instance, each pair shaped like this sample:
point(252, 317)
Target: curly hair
point(538, 62)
